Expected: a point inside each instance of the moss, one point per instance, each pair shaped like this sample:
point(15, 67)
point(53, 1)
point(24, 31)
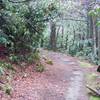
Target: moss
point(85, 64)
point(94, 98)
point(92, 76)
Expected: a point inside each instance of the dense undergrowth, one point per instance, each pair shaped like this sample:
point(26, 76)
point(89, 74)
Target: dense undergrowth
point(21, 28)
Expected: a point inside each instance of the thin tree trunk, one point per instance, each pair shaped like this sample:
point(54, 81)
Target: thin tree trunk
point(96, 29)
point(66, 44)
point(53, 35)
point(91, 27)
point(57, 34)
point(99, 43)
point(62, 37)
point(94, 37)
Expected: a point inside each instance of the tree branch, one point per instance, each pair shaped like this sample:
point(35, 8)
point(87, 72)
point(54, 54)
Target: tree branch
point(74, 19)
point(93, 90)
point(94, 3)
point(29, 22)
point(13, 1)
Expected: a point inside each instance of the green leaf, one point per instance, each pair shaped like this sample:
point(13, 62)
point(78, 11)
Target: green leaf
point(98, 23)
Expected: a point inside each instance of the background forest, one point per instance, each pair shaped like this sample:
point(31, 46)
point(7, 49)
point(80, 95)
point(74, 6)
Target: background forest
point(76, 31)
point(69, 26)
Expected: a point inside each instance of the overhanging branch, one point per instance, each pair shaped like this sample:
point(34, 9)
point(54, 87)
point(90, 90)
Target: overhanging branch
point(47, 19)
point(34, 28)
point(13, 1)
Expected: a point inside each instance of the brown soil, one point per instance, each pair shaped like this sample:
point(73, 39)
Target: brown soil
point(52, 84)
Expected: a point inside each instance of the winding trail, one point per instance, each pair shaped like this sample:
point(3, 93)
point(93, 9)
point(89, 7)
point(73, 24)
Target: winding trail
point(64, 80)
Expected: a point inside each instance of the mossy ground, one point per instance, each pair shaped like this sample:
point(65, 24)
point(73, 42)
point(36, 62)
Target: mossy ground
point(92, 79)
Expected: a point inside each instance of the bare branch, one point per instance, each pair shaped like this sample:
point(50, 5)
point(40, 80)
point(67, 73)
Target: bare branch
point(94, 3)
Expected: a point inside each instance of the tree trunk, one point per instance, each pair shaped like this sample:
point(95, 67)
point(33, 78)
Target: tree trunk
point(57, 34)
point(99, 43)
point(53, 36)
point(96, 29)
point(94, 36)
point(62, 37)
point(66, 43)
point(91, 27)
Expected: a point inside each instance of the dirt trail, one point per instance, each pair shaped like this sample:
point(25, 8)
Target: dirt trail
point(64, 80)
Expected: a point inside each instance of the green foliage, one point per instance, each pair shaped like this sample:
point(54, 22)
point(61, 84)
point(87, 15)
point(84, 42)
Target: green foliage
point(33, 57)
point(98, 23)
point(92, 13)
point(49, 62)
point(30, 59)
point(13, 58)
point(4, 65)
point(24, 24)
point(3, 40)
point(39, 67)
point(7, 88)
point(73, 50)
point(95, 12)
point(1, 70)
point(21, 60)
point(85, 64)
point(94, 98)
point(36, 56)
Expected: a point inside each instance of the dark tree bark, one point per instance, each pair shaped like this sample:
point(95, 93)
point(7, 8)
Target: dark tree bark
point(96, 29)
point(62, 36)
point(53, 35)
point(98, 69)
point(66, 43)
point(91, 27)
point(57, 34)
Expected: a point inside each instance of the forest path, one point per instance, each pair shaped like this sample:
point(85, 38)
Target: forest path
point(68, 69)
point(64, 80)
